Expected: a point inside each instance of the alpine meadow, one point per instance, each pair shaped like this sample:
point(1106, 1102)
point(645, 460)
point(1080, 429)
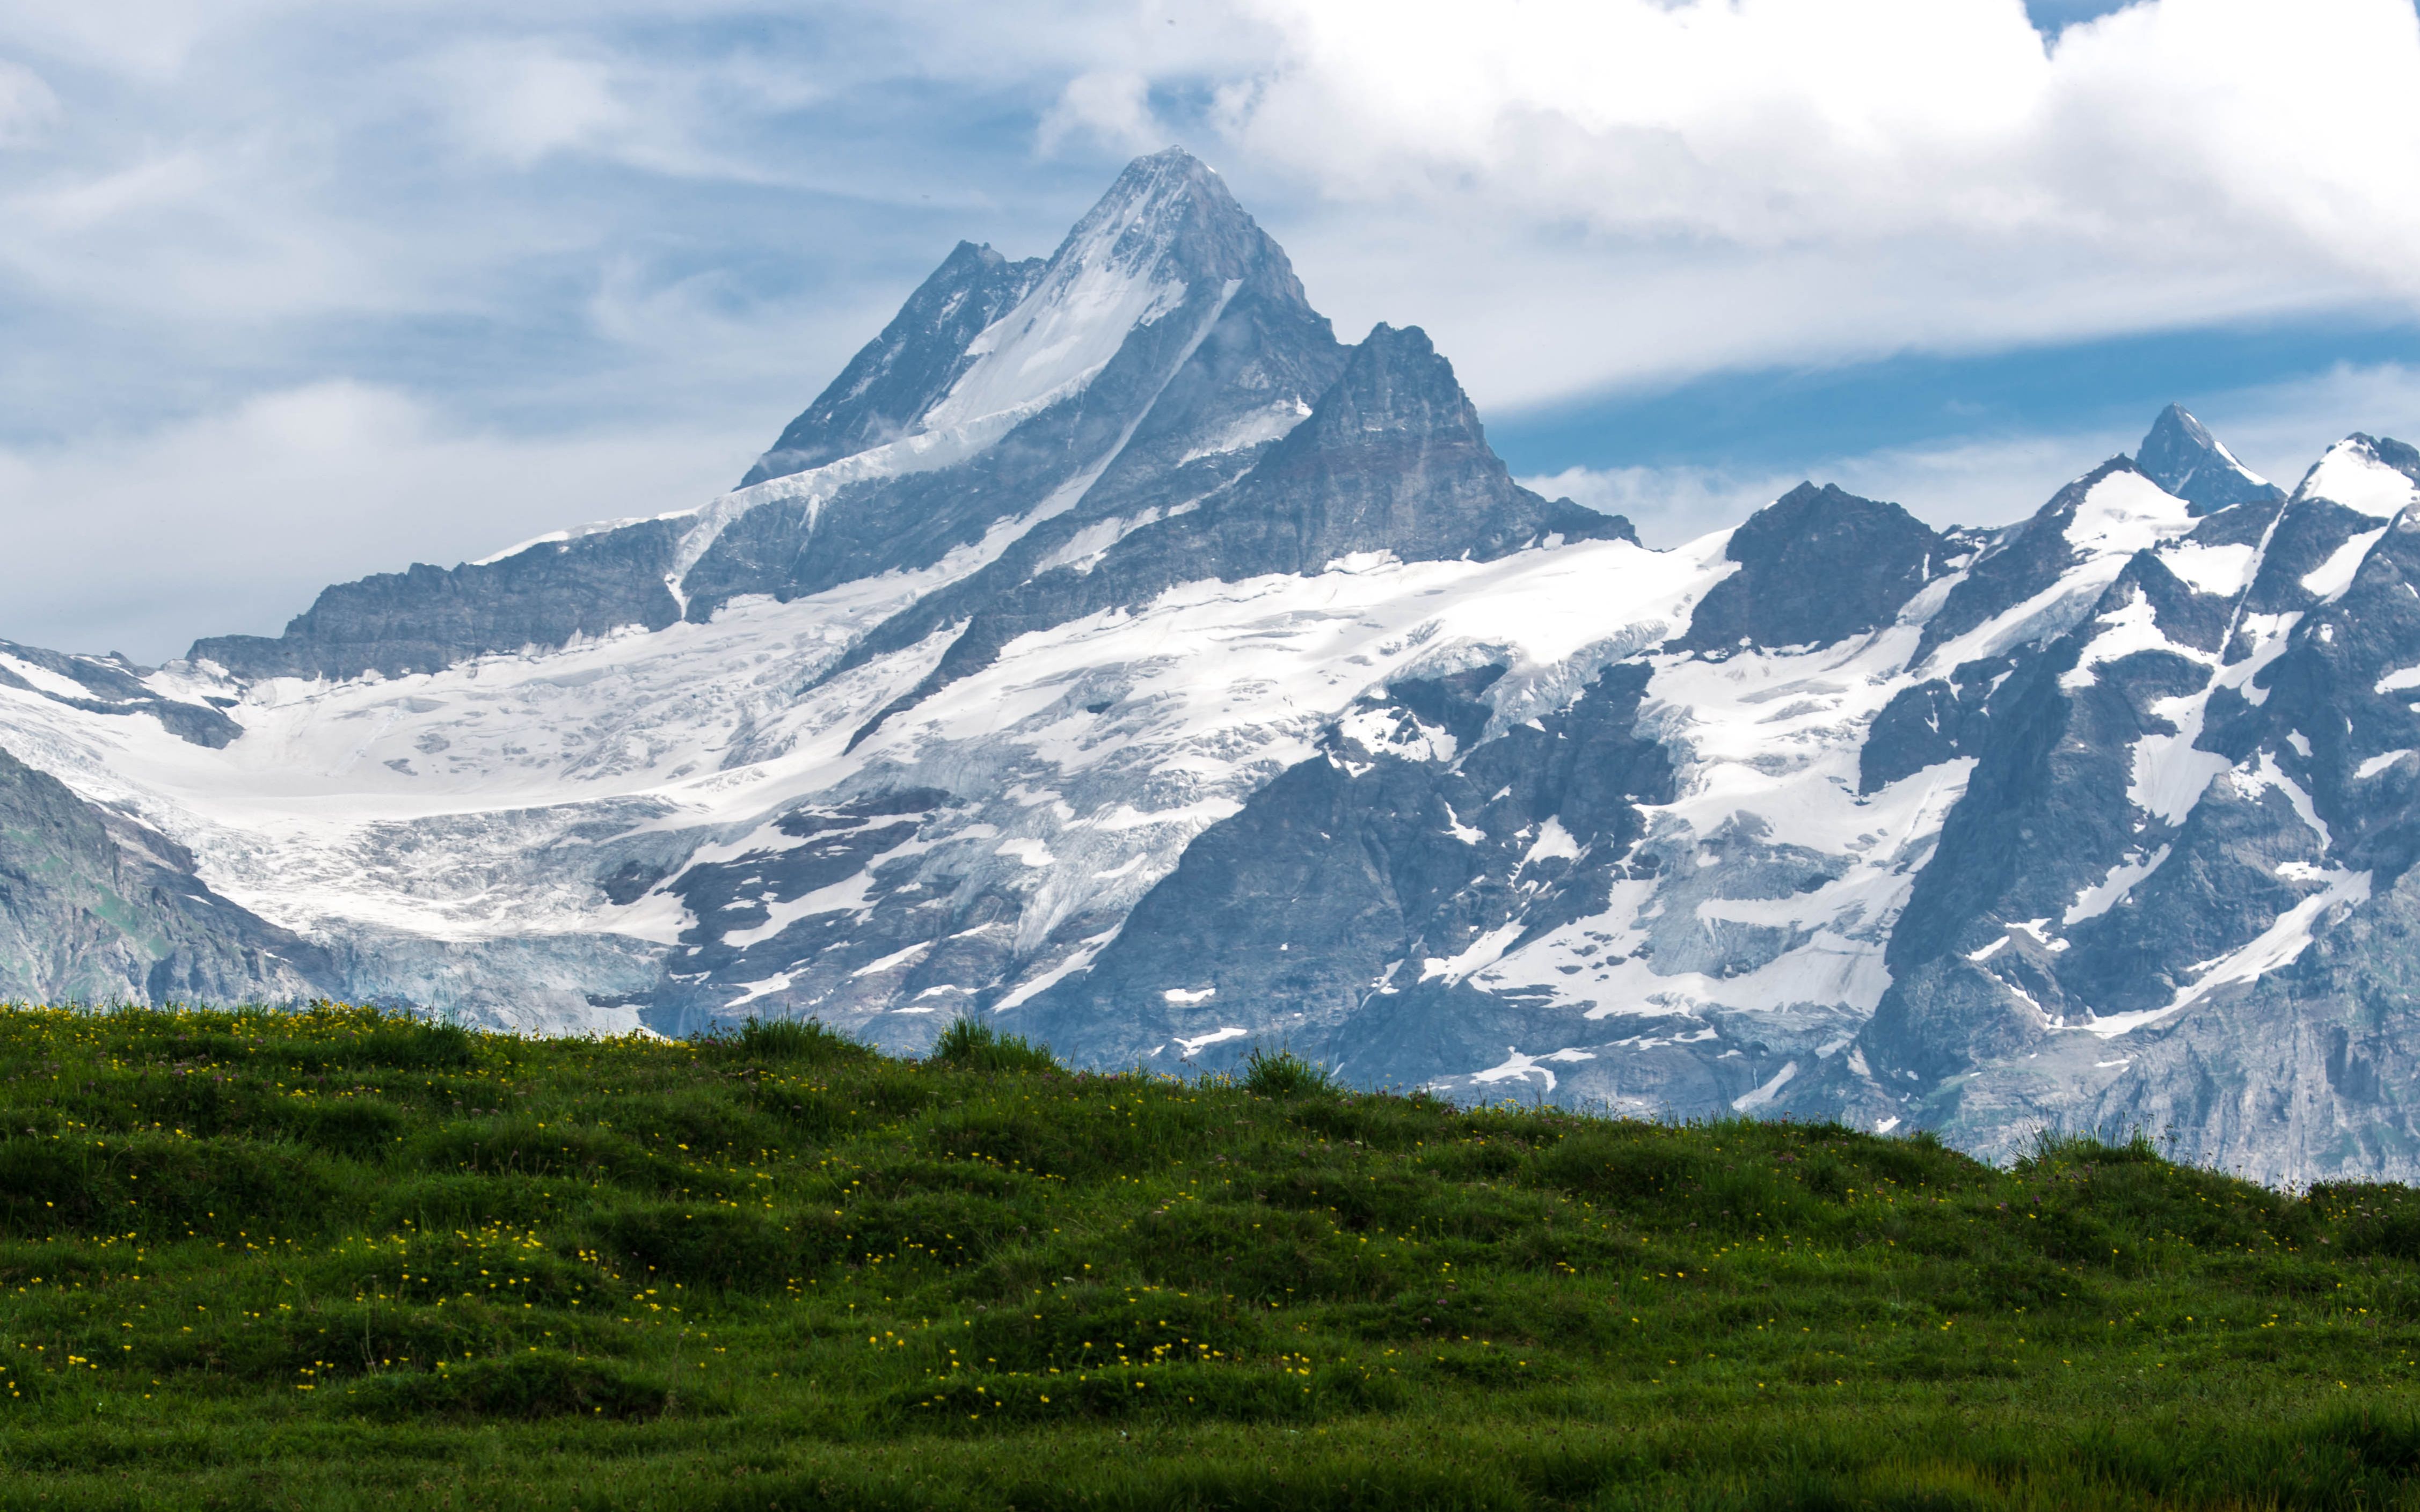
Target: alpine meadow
point(335, 1258)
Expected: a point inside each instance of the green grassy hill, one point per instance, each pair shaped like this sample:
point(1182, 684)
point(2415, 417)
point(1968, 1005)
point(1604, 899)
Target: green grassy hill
point(338, 1259)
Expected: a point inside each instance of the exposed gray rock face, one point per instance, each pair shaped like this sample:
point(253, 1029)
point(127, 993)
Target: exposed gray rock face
point(2030, 562)
point(2302, 1075)
point(2320, 529)
point(2180, 455)
point(429, 618)
point(1390, 460)
point(97, 908)
point(904, 372)
point(1247, 384)
point(1225, 363)
point(1927, 724)
point(813, 848)
point(1433, 839)
point(1818, 565)
point(2143, 910)
point(947, 428)
point(1298, 918)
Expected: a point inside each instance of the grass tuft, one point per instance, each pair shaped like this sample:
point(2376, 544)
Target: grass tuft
point(971, 1045)
point(1283, 1073)
point(804, 1041)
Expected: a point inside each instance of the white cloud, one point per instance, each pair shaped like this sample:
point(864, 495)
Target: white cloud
point(1111, 107)
point(1569, 193)
point(193, 237)
point(150, 40)
point(1770, 122)
point(525, 99)
point(234, 521)
point(28, 110)
point(1710, 181)
point(1754, 120)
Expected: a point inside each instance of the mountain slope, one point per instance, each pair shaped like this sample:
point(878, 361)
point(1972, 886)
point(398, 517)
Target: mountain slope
point(95, 908)
point(512, 803)
point(1110, 652)
point(992, 403)
point(1390, 461)
point(1653, 877)
point(901, 374)
point(2123, 905)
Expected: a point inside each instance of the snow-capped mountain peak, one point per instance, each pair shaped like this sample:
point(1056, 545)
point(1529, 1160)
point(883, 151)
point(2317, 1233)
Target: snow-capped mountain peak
point(1166, 232)
point(985, 338)
point(1110, 650)
point(995, 402)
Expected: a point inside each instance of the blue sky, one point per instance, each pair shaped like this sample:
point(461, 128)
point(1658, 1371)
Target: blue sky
point(1768, 418)
point(2050, 15)
point(1969, 437)
point(291, 291)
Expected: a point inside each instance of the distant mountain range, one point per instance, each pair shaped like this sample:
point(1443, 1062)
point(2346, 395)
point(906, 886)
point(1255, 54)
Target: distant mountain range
point(1111, 652)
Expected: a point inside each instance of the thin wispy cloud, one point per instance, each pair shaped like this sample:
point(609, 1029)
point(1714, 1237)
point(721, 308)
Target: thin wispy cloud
point(245, 514)
point(1980, 483)
point(28, 109)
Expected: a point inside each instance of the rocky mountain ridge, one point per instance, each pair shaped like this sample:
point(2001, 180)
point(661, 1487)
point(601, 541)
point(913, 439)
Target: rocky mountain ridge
point(1112, 653)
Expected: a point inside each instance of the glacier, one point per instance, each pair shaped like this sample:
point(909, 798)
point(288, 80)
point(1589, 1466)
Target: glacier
point(1113, 652)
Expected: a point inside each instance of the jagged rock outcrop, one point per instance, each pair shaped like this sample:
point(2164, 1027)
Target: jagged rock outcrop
point(1816, 566)
point(429, 618)
point(2177, 806)
point(1168, 333)
point(2182, 456)
point(1386, 869)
